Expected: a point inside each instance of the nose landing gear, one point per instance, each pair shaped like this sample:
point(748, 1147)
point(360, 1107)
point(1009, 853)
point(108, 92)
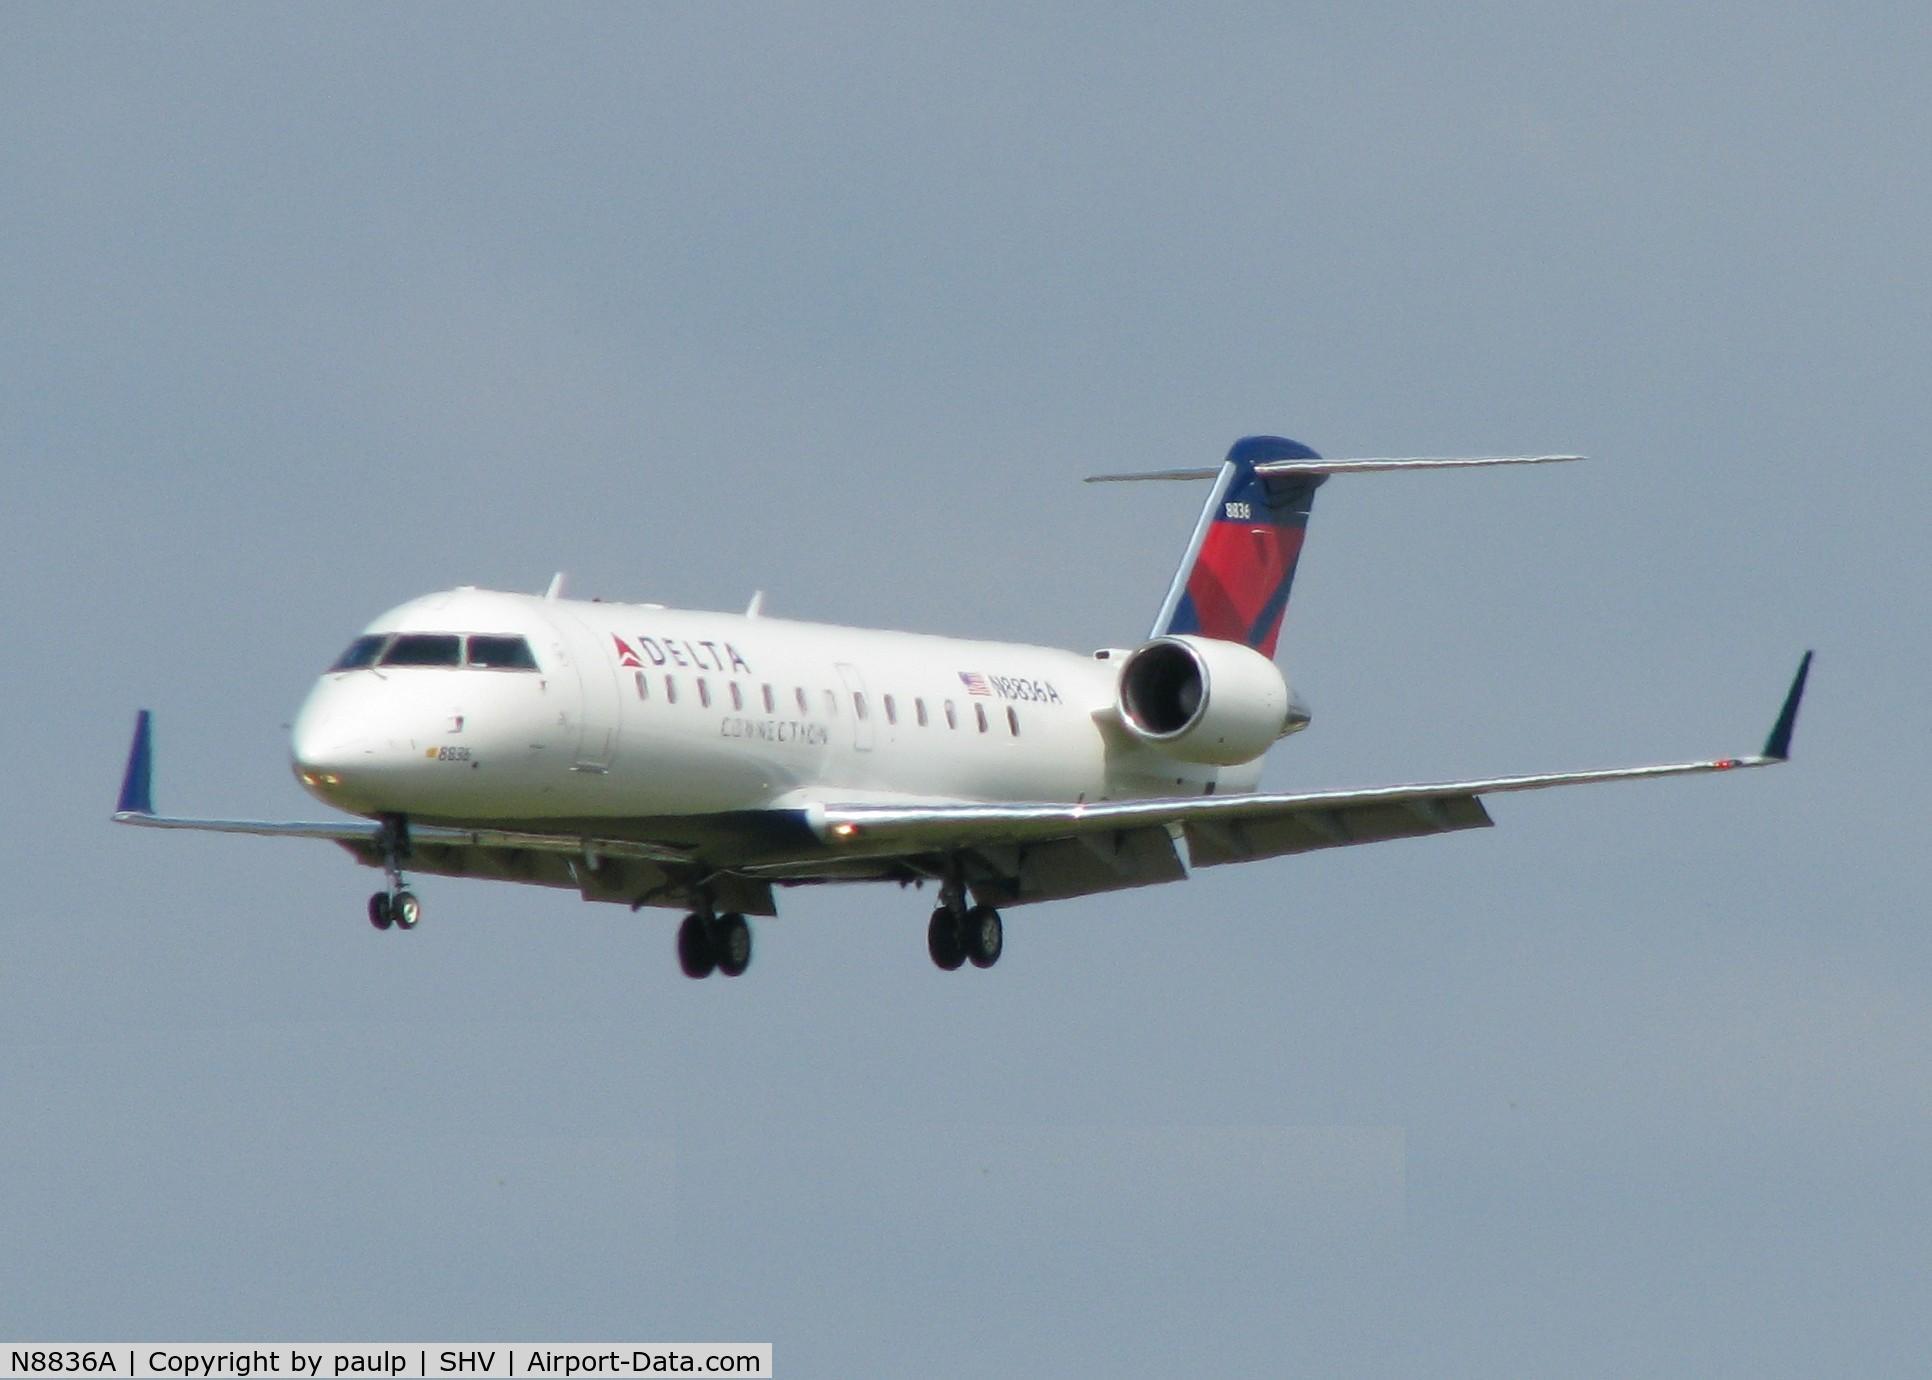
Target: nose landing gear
point(400, 909)
point(397, 906)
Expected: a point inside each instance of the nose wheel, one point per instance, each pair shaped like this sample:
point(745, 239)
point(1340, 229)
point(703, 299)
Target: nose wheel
point(397, 906)
point(400, 909)
point(405, 909)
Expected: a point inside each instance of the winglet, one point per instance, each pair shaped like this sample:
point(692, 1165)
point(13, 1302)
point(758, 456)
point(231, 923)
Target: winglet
point(137, 783)
point(1778, 746)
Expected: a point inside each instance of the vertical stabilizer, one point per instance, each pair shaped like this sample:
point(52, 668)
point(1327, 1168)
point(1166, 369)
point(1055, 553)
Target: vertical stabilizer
point(1234, 580)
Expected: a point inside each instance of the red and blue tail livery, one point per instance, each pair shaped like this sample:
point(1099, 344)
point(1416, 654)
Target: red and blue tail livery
point(1234, 580)
point(1233, 583)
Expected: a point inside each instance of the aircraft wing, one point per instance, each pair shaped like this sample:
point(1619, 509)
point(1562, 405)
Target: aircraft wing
point(1035, 852)
point(364, 834)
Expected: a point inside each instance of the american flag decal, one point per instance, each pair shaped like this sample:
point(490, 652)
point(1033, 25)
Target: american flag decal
point(975, 683)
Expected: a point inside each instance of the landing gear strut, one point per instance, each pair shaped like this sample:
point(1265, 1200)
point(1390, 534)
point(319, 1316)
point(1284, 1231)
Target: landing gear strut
point(708, 943)
point(397, 906)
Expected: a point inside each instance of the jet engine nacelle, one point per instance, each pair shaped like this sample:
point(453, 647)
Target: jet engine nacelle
point(1203, 700)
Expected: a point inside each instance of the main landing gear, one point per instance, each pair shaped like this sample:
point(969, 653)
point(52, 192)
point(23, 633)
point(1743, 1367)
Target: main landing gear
point(714, 942)
point(397, 906)
point(957, 935)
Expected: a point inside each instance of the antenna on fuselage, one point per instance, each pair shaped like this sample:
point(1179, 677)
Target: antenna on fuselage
point(756, 608)
point(556, 586)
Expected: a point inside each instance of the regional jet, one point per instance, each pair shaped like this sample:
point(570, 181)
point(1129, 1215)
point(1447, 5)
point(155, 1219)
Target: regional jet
point(703, 762)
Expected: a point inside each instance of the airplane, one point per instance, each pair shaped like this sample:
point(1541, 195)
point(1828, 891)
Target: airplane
point(702, 761)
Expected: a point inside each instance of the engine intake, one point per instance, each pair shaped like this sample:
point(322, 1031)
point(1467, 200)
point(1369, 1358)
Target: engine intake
point(1203, 700)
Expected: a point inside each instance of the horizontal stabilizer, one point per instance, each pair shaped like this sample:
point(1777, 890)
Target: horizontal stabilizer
point(1277, 468)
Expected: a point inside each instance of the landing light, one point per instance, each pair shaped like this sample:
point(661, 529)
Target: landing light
point(320, 778)
point(845, 831)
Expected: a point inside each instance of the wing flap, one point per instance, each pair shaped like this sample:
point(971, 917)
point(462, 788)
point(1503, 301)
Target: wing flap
point(1083, 865)
point(1211, 843)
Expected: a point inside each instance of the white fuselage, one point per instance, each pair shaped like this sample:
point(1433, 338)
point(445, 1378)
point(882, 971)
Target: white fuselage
point(635, 710)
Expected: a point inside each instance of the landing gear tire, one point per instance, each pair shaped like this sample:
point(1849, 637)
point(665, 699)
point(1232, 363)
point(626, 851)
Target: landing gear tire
point(405, 910)
point(731, 941)
point(982, 936)
point(695, 953)
point(380, 914)
point(942, 939)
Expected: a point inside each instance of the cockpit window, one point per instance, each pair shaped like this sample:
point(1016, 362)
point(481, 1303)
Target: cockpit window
point(424, 649)
point(362, 652)
point(487, 651)
point(501, 653)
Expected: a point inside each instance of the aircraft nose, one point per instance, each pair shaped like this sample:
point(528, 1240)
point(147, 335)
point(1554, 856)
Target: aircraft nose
point(326, 744)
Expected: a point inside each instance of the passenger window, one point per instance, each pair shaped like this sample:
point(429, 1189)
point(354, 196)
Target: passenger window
point(919, 709)
point(1013, 720)
point(502, 654)
point(362, 652)
point(858, 703)
point(803, 706)
point(771, 703)
point(737, 696)
point(892, 711)
point(424, 649)
point(952, 719)
point(831, 705)
point(704, 692)
point(643, 687)
point(670, 689)
point(979, 712)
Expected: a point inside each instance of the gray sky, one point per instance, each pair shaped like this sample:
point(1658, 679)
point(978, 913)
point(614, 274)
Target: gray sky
point(306, 311)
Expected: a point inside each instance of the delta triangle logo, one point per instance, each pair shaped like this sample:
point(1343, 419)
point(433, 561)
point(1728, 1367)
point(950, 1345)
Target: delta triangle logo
point(625, 656)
